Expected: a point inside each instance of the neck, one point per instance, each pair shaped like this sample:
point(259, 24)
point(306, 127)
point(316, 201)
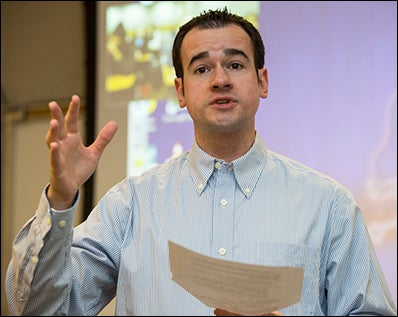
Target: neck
point(228, 146)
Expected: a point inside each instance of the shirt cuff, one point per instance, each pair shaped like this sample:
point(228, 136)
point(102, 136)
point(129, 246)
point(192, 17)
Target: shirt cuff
point(47, 215)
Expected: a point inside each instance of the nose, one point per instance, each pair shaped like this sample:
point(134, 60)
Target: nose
point(220, 79)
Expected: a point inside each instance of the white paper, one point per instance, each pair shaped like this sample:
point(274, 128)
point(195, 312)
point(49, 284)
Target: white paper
point(245, 289)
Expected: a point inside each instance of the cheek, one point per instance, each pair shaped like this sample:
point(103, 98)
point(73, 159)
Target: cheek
point(193, 93)
point(193, 112)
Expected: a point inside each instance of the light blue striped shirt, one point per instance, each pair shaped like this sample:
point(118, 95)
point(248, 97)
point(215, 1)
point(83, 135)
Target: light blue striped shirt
point(263, 208)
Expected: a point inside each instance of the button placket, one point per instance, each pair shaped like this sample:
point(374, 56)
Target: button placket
point(223, 202)
point(222, 251)
point(223, 215)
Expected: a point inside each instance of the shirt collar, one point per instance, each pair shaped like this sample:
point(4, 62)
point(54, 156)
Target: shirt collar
point(247, 168)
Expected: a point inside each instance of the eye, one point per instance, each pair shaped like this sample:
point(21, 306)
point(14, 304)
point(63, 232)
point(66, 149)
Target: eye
point(235, 66)
point(201, 70)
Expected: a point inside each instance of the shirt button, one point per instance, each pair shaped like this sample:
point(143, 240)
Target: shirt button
point(247, 190)
point(217, 165)
point(48, 221)
point(223, 202)
point(200, 186)
point(62, 223)
point(222, 251)
point(35, 259)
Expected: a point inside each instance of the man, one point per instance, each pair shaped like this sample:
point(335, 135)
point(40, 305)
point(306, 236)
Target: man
point(229, 197)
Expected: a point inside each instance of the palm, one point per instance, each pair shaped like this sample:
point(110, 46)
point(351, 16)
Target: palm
point(72, 163)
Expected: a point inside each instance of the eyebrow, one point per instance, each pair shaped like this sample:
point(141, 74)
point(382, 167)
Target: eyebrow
point(227, 52)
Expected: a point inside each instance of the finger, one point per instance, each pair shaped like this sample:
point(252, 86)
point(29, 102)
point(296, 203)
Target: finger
point(221, 312)
point(72, 115)
point(104, 137)
point(53, 132)
point(54, 156)
point(56, 114)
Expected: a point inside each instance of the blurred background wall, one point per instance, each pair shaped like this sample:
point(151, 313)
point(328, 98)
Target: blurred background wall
point(43, 58)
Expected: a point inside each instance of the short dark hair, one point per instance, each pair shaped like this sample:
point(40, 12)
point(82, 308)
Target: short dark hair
point(213, 19)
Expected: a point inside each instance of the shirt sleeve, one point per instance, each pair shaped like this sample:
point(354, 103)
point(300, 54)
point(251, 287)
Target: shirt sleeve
point(39, 278)
point(354, 280)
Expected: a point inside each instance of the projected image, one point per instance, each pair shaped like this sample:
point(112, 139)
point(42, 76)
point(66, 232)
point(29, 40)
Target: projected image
point(380, 187)
point(139, 41)
point(154, 133)
point(139, 58)
point(139, 74)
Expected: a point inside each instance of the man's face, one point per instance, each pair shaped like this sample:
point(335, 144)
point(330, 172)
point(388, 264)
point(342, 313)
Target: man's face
point(221, 86)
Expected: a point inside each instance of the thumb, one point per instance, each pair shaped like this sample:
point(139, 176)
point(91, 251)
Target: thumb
point(105, 136)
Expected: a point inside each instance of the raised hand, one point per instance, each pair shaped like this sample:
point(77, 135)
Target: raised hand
point(71, 162)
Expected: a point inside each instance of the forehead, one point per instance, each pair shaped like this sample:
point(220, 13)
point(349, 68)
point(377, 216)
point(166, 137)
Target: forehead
point(215, 40)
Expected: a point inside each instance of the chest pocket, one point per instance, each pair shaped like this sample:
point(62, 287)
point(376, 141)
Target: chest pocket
point(285, 254)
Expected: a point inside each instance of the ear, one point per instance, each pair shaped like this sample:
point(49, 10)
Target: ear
point(180, 92)
point(263, 82)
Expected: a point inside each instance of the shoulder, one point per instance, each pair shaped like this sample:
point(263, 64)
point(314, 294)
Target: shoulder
point(157, 174)
point(293, 171)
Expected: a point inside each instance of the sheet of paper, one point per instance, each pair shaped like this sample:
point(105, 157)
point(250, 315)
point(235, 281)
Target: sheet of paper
point(245, 289)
